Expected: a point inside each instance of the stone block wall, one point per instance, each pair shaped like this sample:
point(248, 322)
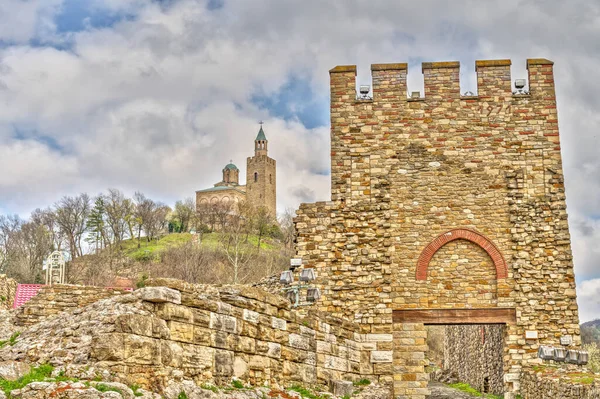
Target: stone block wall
point(476, 354)
point(406, 174)
point(54, 299)
point(8, 289)
point(559, 384)
point(217, 333)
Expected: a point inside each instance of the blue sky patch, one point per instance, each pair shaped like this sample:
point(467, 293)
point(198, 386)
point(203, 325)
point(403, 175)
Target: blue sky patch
point(79, 15)
point(296, 100)
point(215, 4)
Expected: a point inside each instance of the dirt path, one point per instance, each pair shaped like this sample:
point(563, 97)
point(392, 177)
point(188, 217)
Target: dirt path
point(441, 391)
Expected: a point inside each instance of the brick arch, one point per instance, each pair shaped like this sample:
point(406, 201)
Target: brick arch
point(461, 234)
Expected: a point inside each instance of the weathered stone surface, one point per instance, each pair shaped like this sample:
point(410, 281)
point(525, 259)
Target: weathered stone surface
point(341, 388)
point(159, 295)
point(12, 370)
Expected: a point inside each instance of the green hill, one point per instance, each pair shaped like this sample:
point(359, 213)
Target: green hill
point(149, 250)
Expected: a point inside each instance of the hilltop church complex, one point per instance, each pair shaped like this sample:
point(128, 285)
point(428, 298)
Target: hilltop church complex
point(260, 190)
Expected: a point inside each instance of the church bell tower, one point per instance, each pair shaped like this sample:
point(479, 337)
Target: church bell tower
point(261, 187)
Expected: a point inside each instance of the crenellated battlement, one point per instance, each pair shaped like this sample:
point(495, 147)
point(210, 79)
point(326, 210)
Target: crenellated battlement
point(442, 81)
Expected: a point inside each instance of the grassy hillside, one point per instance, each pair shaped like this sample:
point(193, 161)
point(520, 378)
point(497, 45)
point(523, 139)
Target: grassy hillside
point(149, 250)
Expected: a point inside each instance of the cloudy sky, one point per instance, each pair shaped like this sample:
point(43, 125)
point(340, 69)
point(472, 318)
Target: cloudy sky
point(157, 95)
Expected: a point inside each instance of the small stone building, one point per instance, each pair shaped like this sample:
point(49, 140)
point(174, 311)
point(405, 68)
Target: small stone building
point(445, 209)
point(260, 189)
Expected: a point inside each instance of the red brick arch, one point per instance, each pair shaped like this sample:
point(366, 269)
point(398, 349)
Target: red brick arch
point(461, 234)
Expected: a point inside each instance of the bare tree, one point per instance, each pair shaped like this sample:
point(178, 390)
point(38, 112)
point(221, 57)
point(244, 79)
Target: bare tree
point(144, 208)
point(222, 212)
point(23, 248)
point(288, 230)
point(71, 216)
point(118, 214)
point(9, 228)
point(233, 242)
point(262, 222)
point(47, 217)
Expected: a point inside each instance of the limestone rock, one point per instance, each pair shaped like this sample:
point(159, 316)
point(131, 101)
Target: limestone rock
point(341, 388)
point(12, 370)
point(159, 295)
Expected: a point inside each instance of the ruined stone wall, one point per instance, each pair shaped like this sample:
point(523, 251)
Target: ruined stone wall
point(407, 173)
point(476, 353)
point(8, 289)
point(216, 333)
point(51, 300)
point(559, 384)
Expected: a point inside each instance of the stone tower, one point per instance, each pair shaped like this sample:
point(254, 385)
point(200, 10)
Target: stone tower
point(261, 176)
point(445, 209)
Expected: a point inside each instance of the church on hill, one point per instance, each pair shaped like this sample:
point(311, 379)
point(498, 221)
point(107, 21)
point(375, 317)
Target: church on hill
point(260, 189)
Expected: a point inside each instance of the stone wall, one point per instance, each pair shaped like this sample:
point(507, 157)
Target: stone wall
point(475, 353)
point(218, 333)
point(51, 300)
point(409, 176)
point(8, 289)
point(559, 383)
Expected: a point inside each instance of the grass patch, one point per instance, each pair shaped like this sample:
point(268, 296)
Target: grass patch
point(40, 373)
point(182, 395)
point(361, 383)
point(237, 384)
point(135, 388)
point(209, 387)
point(472, 391)
point(150, 250)
point(11, 341)
point(106, 388)
point(306, 393)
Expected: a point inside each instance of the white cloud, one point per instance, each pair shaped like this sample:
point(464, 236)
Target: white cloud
point(160, 101)
point(22, 20)
point(588, 298)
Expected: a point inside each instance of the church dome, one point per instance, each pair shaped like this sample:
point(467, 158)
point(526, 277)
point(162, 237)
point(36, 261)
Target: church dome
point(231, 166)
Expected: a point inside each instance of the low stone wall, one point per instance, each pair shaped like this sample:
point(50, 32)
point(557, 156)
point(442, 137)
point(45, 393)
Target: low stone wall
point(51, 300)
point(8, 289)
point(172, 330)
point(475, 353)
point(214, 334)
point(559, 383)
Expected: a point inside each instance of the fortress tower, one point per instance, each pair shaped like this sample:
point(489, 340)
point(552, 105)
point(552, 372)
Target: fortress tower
point(445, 209)
point(261, 179)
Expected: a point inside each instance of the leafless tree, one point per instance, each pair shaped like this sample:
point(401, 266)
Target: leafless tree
point(118, 212)
point(233, 243)
point(71, 216)
point(262, 223)
point(9, 227)
point(23, 248)
point(288, 230)
point(47, 217)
